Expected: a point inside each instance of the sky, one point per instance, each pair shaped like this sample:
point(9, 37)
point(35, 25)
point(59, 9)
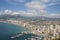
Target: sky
point(31, 8)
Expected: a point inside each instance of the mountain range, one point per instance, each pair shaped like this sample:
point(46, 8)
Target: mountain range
point(25, 18)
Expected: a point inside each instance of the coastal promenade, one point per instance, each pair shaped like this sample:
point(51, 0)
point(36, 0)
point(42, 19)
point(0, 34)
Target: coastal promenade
point(49, 30)
point(20, 23)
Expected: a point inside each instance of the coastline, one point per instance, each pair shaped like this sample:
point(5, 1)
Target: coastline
point(15, 24)
point(43, 30)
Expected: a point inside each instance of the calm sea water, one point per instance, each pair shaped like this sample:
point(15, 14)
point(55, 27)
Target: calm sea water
point(7, 30)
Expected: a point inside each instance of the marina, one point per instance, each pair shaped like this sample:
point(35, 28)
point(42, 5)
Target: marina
point(32, 36)
point(49, 31)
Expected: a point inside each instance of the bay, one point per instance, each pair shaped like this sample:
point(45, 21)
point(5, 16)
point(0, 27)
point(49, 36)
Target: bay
point(7, 29)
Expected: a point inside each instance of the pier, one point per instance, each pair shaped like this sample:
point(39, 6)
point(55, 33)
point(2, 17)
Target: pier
point(42, 28)
point(21, 34)
point(32, 36)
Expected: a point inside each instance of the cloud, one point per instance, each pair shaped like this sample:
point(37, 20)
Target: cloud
point(6, 12)
point(53, 15)
point(45, 1)
point(29, 13)
point(35, 8)
point(35, 5)
point(20, 0)
point(0, 13)
point(15, 2)
point(54, 2)
point(41, 7)
point(42, 1)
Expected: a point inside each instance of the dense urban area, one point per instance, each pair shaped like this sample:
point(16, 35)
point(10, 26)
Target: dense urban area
point(50, 30)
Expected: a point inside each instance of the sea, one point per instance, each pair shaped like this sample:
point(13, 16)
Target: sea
point(7, 30)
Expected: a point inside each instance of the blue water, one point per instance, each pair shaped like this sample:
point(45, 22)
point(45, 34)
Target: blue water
point(8, 29)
